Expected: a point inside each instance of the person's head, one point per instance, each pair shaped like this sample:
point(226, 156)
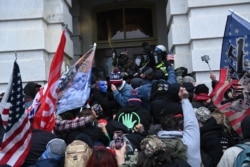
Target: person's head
point(202, 114)
point(189, 79)
point(116, 78)
point(158, 74)
point(147, 72)
point(102, 85)
point(30, 89)
point(55, 149)
point(245, 124)
point(159, 54)
point(85, 138)
point(180, 72)
point(102, 157)
point(201, 93)
point(170, 122)
point(134, 98)
point(201, 88)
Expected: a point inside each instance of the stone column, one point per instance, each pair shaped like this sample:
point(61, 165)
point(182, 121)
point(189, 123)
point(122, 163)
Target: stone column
point(32, 29)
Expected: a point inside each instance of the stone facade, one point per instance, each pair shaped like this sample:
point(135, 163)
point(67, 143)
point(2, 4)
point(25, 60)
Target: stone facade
point(31, 30)
point(197, 29)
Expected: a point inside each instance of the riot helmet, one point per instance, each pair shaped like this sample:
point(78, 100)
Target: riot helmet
point(140, 60)
point(159, 54)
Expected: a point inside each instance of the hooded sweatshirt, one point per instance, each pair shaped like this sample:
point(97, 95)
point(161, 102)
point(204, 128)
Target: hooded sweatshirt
point(190, 134)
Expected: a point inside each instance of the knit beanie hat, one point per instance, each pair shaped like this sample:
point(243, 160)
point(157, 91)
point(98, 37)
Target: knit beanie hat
point(201, 88)
point(116, 78)
point(158, 74)
point(85, 138)
point(188, 79)
point(30, 89)
point(136, 82)
point(201, 92)
point(55, 149)
point(245, 124)
point(202, 114)
point(134, 98)
point(147, 70)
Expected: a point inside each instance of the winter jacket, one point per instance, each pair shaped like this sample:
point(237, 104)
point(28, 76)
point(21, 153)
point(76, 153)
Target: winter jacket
point(190, 134)
point(122, 93)
point(39, 140)
point(211, 134)
point(109, 105)
point(229, 156)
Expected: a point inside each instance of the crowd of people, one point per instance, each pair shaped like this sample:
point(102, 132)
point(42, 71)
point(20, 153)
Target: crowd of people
point(156, 118)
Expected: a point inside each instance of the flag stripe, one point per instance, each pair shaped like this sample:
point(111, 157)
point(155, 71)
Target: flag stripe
point(9, 147)
point(16, 140)
point(45, 115)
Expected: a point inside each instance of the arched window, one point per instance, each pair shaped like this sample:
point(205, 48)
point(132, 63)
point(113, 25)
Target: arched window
point(124, 23)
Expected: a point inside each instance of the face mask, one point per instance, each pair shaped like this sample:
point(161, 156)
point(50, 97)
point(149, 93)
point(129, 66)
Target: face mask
point(157, 56)
point(138, 62)
point(103, 86)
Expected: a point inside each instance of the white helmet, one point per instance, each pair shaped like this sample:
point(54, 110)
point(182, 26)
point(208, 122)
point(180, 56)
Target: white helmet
point(161, 47)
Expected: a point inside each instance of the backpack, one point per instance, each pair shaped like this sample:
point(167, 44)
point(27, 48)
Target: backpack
point(177, 149)
point(243, 158)
point(77, 154)
point(229, 135)
point(159, 89)
point(177, 146)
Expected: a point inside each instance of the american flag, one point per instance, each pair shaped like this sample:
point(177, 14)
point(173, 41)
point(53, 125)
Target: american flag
point(232, 94)
point(45, 115)
point(16, 140)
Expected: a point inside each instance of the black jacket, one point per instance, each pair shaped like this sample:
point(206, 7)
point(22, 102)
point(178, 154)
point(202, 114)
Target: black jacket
point(109, 105)
point(211, 148)
point(39, 140)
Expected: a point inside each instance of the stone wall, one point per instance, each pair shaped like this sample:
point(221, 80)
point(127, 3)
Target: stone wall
point(197, 29)
point(31, 29)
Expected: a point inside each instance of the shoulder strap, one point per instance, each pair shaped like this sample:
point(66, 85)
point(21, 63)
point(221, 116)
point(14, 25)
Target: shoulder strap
point(243, 146)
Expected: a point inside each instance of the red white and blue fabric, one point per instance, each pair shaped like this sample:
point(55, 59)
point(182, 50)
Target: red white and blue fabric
point(44, 118)
point(74, 85)
point(232, 94)
point(16, 140)
point(31, 110)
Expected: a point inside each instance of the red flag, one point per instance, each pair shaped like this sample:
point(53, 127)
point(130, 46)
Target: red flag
point(16, 140)
point(45, 115)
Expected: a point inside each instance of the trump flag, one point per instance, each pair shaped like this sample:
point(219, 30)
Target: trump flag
point(45, 115)
point(74, 85)
point(232, 93)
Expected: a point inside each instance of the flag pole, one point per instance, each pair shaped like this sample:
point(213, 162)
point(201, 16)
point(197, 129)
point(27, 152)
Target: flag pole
point(237, 14)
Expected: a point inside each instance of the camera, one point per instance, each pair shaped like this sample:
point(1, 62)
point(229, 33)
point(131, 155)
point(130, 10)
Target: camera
point(205, 58)
point(97, 108)
point(118, 138)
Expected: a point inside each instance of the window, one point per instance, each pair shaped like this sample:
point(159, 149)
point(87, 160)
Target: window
point(124, 24)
